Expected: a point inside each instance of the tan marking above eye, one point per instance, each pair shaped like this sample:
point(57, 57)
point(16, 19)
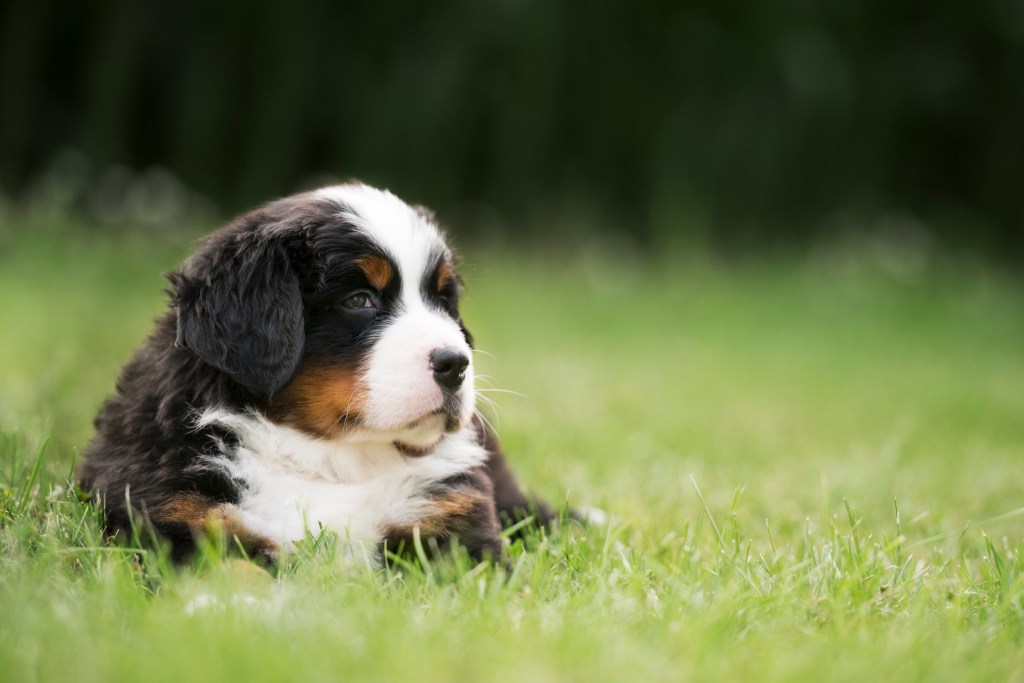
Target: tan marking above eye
point(377, 269)
point(318, 398)
point(445, 274)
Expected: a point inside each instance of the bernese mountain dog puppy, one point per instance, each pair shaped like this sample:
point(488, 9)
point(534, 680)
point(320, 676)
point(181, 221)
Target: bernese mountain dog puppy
point(313, 372)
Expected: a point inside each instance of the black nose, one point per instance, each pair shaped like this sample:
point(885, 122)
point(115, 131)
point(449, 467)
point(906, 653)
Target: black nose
point(449, 367)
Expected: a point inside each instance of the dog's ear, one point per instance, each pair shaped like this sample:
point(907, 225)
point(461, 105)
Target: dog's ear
point(239, 308)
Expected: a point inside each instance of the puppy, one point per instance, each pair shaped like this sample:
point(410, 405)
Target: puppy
point(313, 372)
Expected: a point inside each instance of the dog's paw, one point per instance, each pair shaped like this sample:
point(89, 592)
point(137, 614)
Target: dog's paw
point(591, 515)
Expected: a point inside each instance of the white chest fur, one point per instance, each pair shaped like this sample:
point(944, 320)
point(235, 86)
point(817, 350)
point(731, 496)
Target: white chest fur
point(294, 483)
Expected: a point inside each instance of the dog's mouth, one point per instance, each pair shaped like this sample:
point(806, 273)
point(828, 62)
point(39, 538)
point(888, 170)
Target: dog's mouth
point(450, 412)
point(413, 451)
point(423, 434)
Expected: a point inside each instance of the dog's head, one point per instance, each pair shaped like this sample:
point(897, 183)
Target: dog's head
point(338, 311)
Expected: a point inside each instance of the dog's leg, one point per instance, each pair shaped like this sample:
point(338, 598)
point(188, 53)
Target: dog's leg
point(188, 516)
point(511, 503)
point(461, 508)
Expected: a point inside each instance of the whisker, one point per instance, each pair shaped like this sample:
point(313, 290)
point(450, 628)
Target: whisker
point(492, 390)
point(484, 353)
point(483, 418)
point(358, 395)
point(490, 402)
point(485, 378)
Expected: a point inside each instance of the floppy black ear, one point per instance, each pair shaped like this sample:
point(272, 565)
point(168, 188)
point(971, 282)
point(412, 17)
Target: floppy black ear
point(240, 310)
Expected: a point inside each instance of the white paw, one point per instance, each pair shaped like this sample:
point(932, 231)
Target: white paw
point(207, 602)
point(594, 515)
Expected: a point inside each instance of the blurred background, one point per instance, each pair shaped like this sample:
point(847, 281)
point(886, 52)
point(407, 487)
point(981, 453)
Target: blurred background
point(765, 243)
point(737, 127)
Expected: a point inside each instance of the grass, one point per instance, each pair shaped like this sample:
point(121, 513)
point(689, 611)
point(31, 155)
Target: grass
point(812, 470)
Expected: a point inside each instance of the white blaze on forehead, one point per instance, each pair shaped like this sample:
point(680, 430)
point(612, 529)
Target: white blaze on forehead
point(409, 238)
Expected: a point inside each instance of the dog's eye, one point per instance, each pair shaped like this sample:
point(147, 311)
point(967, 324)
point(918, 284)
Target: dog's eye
point(359, 300)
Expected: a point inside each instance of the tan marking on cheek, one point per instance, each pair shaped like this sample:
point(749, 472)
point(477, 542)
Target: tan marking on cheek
point(445, 274)
point(377, 270)
point(319, 399)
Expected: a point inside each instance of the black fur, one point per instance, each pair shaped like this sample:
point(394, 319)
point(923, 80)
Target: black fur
point(256, 300)
point(243, 314)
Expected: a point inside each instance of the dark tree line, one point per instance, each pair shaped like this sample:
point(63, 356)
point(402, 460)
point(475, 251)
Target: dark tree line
point(740, 122)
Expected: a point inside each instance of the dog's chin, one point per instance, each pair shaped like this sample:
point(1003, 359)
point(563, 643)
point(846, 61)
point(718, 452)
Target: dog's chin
point(416, 438)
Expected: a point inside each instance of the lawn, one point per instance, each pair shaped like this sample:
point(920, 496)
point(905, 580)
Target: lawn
point(813, 467)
